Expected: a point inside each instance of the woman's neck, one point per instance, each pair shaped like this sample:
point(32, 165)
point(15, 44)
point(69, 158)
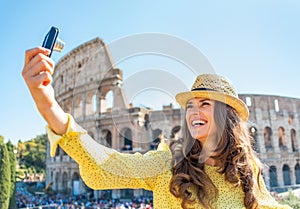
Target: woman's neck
point(211, 162)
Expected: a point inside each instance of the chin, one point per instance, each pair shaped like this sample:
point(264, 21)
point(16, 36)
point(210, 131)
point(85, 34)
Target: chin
point(201, 139)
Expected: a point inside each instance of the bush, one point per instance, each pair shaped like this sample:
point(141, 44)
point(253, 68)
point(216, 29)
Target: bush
point(291, 200)
point(5, 177)
point(13, 162)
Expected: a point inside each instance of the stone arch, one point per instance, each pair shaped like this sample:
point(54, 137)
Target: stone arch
point(90, 103)
point(57, 151)
point(294, 140)
point(68, 106)
point(65, 182)
point(147, 123)
point(57, 180)
point(75, 184)
point(109, 100)
point(126, 138)
point(286, 174)
point(91, 134)
point(268, 138)
point(291, 119)
point(156, 135)
point(253, 134)
point(281, 138)
point(106, 99)
point(273, 176)
point(75, 176)
point(297, 173)
point(94, 103)
point(78, 107)
point(107, 136)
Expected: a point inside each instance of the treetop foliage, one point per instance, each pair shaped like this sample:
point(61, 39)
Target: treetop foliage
point(31, 154)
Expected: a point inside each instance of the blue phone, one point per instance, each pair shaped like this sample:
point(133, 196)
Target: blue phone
point(50, 39)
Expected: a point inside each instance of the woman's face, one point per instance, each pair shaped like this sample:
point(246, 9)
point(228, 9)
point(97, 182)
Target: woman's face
point(200, 119)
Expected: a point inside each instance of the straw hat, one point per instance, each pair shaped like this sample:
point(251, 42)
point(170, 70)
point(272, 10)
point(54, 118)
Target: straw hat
point(217, 88)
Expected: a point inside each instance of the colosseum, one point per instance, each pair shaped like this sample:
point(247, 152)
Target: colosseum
point(85, 80)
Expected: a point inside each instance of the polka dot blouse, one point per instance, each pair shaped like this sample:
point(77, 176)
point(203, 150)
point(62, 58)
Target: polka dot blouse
point(105, 168)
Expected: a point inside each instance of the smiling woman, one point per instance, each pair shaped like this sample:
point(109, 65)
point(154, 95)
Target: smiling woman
point(213, 167)
point(200, 119)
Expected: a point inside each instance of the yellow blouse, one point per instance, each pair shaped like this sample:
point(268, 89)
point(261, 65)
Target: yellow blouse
point(105, 168)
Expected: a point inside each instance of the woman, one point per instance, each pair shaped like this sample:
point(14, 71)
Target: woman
point(214, 166)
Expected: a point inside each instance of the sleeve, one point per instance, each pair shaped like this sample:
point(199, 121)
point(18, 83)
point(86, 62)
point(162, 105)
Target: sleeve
point(264, 198)
point(105, 168)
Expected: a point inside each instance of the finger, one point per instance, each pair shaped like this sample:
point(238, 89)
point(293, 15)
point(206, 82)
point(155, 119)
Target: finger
point(37, 58)
point(38, 68)
point(38, 63)
point(44, 62)
point(30, 53)
point(46, 78)
point(42, 79)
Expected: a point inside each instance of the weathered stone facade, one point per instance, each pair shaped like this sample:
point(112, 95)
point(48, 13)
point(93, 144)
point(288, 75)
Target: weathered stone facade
point(275, 126)
point(84, 81)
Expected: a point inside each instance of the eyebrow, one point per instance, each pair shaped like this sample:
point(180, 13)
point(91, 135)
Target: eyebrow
point(202, 100)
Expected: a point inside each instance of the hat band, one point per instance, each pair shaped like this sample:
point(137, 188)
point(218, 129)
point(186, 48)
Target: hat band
point(203, 89)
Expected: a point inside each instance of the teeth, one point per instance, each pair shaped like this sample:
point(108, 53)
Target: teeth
point(198, 122)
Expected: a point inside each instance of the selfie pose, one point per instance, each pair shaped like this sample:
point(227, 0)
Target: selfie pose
point(212, 166)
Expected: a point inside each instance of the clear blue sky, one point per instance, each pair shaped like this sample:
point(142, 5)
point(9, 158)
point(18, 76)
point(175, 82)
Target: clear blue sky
point(254, 43)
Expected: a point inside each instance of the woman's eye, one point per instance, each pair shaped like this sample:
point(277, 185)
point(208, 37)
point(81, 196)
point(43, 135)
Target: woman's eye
point(189, 106)
point(205, 103)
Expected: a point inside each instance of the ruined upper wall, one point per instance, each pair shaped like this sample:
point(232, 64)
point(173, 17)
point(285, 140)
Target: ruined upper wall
point(86, 64)
point(271, 107)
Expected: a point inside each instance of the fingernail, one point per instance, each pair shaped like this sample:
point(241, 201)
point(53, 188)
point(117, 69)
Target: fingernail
point(47, 51)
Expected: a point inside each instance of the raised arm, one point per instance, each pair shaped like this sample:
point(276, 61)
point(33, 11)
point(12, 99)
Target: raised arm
point(37, 73)
point(100, 167)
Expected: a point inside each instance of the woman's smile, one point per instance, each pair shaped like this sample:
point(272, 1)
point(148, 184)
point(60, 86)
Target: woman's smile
point(199, 122)
point(200, 118)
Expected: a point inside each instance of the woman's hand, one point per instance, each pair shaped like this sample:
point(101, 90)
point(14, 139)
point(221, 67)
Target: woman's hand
point(37, 73)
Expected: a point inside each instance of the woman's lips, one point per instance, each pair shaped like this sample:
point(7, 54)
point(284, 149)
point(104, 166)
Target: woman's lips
point(198, 122)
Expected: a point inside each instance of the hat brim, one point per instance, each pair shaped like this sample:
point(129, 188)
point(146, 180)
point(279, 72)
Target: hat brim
point(236, 103)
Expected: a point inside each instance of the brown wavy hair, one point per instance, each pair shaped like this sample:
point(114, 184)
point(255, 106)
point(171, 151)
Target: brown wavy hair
point(233, 153)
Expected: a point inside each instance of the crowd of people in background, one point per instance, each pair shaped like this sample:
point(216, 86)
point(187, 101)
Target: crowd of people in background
point(27, 200)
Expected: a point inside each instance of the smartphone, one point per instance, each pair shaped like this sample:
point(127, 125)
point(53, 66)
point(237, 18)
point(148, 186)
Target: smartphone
point(50, 39)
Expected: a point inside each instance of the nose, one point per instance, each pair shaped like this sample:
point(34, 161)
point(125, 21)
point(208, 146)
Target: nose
point(195, 110)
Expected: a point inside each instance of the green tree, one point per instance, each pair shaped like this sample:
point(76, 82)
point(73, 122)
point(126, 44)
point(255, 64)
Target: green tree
point(31, 156)
point(5, 177)
point(13, 163)
point(37, 153)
